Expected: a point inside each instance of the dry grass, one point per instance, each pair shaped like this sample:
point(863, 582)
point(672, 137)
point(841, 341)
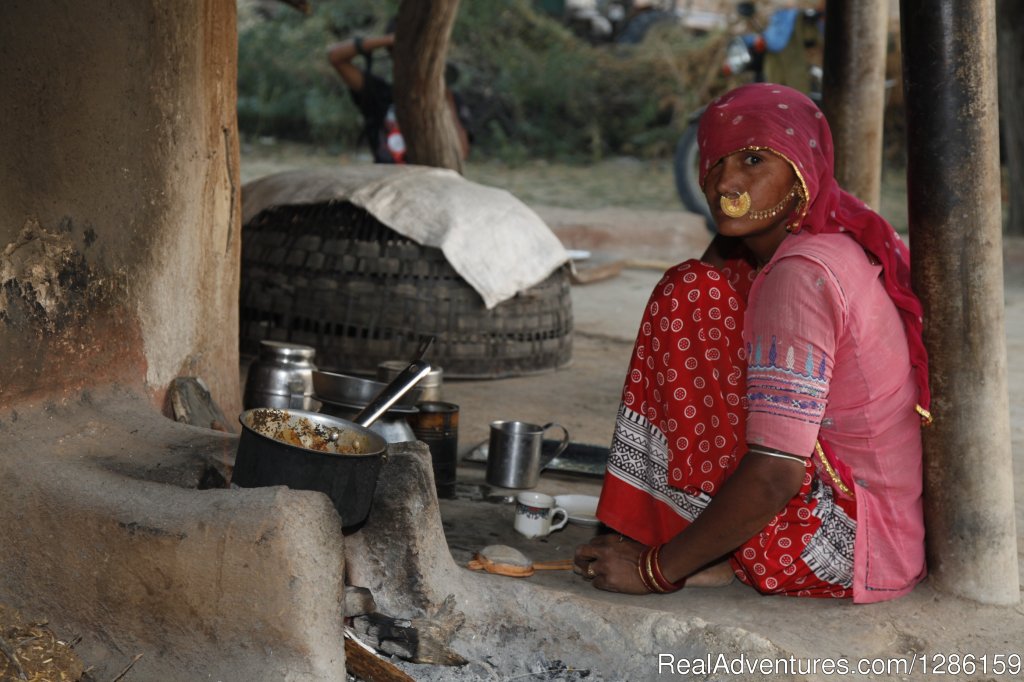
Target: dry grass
point(30, 651)
point(622, 182)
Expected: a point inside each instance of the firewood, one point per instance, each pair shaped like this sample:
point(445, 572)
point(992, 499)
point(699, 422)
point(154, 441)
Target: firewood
point(597, 273)
point(420, 640)
point(361, 662)
point(130, 665)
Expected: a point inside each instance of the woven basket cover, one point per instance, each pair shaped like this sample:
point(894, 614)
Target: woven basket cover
point(332, 276)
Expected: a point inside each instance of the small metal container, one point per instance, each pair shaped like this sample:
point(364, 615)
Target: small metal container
point(514, 457)
point(281, 377)
point(430, 385)
point(437, 424)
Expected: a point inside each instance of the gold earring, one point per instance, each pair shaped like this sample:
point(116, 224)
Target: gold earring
point(735, 206)
point(801, 202)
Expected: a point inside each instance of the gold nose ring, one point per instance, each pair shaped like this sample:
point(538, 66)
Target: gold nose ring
point(735, 204)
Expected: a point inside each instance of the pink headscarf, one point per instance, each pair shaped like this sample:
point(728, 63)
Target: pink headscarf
point(765, 116)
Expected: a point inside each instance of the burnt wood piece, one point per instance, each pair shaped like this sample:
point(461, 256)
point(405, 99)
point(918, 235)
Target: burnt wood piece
point(420, 640)
point(367, 666)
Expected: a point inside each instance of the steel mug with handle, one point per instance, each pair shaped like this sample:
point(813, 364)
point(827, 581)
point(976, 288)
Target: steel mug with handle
point(514, 458)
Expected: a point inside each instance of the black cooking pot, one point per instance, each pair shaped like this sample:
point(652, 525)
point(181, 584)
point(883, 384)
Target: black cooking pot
point(310, 451)
point(293, 448)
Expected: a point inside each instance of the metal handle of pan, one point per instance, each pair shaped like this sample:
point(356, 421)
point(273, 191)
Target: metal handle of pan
point(398, 387)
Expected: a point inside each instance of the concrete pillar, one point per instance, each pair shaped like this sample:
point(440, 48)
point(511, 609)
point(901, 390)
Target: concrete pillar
point(949, 51)
point(854, 92)
point(119, 176)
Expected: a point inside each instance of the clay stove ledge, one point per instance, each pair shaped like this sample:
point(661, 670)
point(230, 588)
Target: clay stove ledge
point(107, 535)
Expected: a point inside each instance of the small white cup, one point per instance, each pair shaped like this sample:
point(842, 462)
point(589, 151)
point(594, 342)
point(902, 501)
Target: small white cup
point(536, 513)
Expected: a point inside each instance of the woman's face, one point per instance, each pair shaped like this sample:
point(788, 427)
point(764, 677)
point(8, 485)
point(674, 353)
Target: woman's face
point(765, 176)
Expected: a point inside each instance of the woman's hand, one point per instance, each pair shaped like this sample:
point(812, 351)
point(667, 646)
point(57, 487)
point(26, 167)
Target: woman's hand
point(611, 562)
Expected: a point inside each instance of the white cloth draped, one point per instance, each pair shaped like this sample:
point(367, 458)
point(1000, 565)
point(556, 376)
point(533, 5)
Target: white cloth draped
point(492, 239)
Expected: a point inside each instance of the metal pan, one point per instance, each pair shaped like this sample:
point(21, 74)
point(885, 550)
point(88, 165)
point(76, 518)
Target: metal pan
point(350, 391)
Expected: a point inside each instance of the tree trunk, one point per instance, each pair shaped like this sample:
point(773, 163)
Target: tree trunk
point(421, 104)
point(1010, 22)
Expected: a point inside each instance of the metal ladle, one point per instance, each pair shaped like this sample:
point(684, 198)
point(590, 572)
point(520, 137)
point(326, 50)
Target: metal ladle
point(392, 393)
point(389, 395)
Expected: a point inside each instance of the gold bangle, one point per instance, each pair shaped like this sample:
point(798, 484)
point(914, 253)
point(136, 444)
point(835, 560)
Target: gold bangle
point(640, 568)
point(649, 555)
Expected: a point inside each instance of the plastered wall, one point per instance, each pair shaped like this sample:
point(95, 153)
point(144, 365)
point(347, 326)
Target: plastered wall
point(119, 228)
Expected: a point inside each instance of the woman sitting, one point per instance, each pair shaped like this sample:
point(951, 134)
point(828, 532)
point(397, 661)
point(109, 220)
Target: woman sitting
point(772, 412)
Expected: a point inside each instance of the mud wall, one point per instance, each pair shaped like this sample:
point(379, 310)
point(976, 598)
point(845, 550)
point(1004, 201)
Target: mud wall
point(119, 228)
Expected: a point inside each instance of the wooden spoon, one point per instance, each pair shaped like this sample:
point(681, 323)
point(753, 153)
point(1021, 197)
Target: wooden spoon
point(505, 560)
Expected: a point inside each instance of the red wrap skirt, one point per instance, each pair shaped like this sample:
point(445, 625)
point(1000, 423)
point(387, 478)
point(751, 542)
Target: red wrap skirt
point(679, 435)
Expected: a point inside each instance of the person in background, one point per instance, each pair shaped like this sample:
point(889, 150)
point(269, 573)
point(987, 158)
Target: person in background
point(374, 97)
point(793, 40)
point(770, 423)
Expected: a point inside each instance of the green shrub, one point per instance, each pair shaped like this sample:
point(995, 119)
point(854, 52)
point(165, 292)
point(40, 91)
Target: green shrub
point(533, 88)
point(286, 88)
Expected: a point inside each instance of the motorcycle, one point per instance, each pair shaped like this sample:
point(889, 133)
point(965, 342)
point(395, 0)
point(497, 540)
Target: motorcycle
point(749, 53)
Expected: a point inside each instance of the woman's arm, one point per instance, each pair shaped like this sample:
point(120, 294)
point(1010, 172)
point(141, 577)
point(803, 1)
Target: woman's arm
point(759, 489)
point(747, 502)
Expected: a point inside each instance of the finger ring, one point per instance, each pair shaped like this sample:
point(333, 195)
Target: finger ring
point(590, 572)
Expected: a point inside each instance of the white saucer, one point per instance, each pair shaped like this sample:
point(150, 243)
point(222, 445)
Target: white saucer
point(582, 508)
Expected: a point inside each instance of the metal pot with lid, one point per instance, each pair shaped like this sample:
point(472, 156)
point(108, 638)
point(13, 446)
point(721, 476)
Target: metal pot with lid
point(282, 377)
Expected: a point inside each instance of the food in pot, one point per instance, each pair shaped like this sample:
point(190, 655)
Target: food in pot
point(302, 432)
